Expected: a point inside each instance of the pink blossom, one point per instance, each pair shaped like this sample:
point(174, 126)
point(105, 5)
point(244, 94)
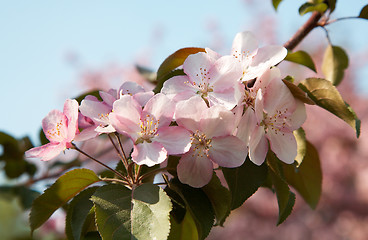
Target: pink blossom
point(255, 61)
point(212, 141)
point(214, 79)
point(96, 113)
point(60, 129)
point(149, 128)
point(271, 119)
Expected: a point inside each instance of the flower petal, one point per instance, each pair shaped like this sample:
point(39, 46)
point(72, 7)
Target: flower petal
point(299, 116)
point(161, 107)
point(176, 140)
point(143, 97)
point(188, 113)
point(194, 170)
point(197, 64)
point(258, 146)
point(244, 42)
point(217, 121)
point(149, 154)
point(86, 134)
point(283, 144)
point(126, 115)
point(55, 127)
point(96, 110)
point(228, 151)
point(246, 126)
point(46, 152)
point(71, 112)
point(265, 58)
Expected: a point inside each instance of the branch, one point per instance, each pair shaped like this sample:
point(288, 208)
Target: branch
point(303, 31)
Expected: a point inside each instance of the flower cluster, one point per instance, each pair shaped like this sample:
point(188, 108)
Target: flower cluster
point(223, 109)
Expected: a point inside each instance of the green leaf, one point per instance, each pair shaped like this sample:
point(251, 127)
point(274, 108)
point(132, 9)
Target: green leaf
point(95, 93)
point(198, 204)
point(364, 12)
point(148, 74)
point(172, 62)
point(220, 198)
point(334, 63)
point(276, 3)
point(150, 205)
point(285, 198)
point(11, 149)
point(56, 196)
point(307, 178)
point(302, 58)
point(77, 213)
point(186, 229)
point(325, 95)
point(301, 144)
point(139, 214)
point(26, 195)
point(298, 93)
point(331, 5)
point(311, 7)
point(43, 138)
point(244, 181)
point(173, 73)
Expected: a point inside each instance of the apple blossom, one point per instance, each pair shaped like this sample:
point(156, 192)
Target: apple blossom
point(214, 80)
point(212, 141)
point(60, 129)
point(255, 61)
point(96, 113)
point(149, 128)
point(271, 119)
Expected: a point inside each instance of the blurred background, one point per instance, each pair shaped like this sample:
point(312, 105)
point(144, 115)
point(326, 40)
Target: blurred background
point(53, 51)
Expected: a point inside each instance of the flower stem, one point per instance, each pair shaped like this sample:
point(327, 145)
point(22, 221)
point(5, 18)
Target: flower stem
point(123, 159)
point(137, 173)
point(303, 31)
point(101, 163)
point(154, 172)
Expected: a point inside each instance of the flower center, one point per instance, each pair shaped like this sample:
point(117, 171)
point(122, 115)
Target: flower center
point(56, 132)
point(200, 144)
point(202, 84)
point(149, 127)
point(277, 123)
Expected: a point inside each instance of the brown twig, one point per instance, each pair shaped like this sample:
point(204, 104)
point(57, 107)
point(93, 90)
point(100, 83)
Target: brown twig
point(303, 31)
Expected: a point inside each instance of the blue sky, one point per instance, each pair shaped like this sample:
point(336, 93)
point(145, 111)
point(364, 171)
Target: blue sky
point(36, 37)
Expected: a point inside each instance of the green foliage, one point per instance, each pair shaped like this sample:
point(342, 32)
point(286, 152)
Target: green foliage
point(364, 12)
point(13, 156)
point(141, 213)
point(302, 58)
point(78, 210)
point(25, 195)
point(199, 206)
point(325, 95)
point(307, 178)
point(220, 199)
point(244, 181)
point(95, 93)
point(275, 3)
point(56, 196)
point(302, 145)
point(298, 93)
point(335, 61)
point(186, 229)
point(316, 5)
point(173, 61)
point(285, 198)
point(331, 5)
point(148, 74)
